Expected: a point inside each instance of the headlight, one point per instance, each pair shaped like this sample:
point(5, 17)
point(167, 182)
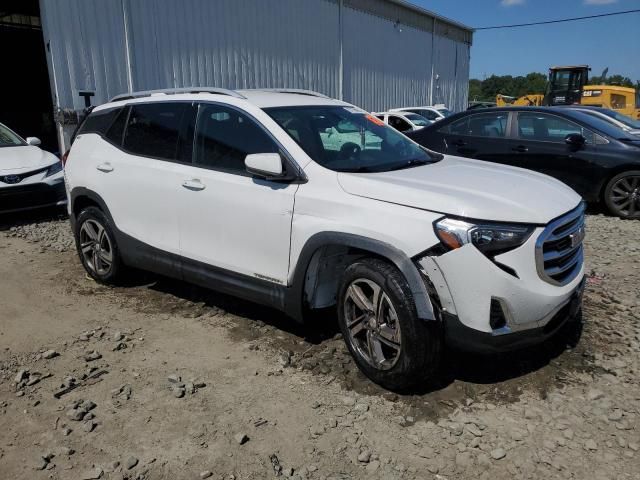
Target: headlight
point(53, 169)
point(490, 238)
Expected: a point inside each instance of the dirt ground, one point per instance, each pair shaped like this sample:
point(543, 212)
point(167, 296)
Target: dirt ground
point(170, 381)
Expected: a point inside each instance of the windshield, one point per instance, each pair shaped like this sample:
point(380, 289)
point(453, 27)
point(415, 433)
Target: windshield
point(346, 139)
point(8, 138)
point(417, 120)
point(629, 122)
point(445, 112)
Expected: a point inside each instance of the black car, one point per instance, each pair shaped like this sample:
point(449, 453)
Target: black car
point(598, 160)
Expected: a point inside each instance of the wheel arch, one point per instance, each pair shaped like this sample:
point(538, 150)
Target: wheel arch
point(81, 198)
point(326, 252)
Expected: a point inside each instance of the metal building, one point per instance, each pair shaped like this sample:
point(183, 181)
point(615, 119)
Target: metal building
point(377, 54)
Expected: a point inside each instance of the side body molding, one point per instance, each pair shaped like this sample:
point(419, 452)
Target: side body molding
point(289, 299)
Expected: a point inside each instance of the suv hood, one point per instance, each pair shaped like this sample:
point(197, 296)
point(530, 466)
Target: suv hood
point(23, 159)
point(468, 188)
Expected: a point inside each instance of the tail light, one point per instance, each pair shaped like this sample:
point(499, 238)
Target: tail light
point(65, 157)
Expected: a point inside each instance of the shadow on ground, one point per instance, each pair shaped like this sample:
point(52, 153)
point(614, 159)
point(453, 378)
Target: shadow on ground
point(317, 347)
point(9, 220)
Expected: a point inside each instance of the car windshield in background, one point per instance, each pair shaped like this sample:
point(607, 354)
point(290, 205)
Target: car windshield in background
point(9, 139)
point(417, 120)
point(600, 124)
point(445, 112)
point(629, 122)
point(346, 139)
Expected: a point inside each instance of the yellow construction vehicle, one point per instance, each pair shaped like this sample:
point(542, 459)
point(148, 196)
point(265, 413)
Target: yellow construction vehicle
point(621, 99)
point(568, 86)
point(533, 100)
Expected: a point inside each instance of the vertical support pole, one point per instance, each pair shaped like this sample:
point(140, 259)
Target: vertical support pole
point(127, 50)
point(340, 39)
point(433, 61)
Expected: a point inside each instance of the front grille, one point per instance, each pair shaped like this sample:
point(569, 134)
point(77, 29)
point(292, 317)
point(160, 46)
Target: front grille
point(559, 249)
point(13, 179)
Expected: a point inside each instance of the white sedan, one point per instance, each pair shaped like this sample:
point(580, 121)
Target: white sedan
point(403, 121)
point(433, 114)
point(29, 176)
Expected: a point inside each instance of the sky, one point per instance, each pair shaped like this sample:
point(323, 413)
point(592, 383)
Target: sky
point(612, 42)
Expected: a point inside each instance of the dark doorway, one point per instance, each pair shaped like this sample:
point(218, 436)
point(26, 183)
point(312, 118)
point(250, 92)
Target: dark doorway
point(25, 93)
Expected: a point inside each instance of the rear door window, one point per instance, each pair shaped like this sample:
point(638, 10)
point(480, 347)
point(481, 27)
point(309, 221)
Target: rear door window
point(493, 125)
point(153, 129)
point(224, 137)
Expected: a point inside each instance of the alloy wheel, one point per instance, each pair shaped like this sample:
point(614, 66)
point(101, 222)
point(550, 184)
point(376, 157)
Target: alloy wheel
point(372, 324)
point(625, 195)
point(96, 247)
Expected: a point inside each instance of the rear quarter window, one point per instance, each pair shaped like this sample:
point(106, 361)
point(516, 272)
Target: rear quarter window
point(99, 122)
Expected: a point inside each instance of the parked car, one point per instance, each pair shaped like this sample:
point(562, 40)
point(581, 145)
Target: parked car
point(270, 196)
point(403, 121)
point(621, 121)
point(597, 159)
point(433, 114)
point(29, 177)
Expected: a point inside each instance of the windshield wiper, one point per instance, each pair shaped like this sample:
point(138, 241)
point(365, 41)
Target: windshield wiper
point(358, 170)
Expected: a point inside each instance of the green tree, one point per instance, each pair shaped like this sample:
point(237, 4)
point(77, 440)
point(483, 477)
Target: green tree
point(475, 89)
point(531, 83)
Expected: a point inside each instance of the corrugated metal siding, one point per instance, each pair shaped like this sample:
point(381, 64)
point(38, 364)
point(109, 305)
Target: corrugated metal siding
point(87, 49)
point(384, 66)
point(250, 44)
point(451, 73)
point(234, 44)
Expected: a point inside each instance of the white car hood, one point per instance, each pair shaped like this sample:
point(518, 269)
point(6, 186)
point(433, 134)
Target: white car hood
point(468, 188)
point(16, 160)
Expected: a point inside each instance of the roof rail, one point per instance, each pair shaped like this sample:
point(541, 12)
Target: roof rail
point(174, 91)
point(297, 91)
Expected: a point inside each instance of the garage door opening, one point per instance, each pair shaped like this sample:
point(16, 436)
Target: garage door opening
point(26, 106)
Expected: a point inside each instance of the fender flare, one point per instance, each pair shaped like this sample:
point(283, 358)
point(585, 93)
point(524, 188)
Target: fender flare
point(90, 194)
point(294, 300)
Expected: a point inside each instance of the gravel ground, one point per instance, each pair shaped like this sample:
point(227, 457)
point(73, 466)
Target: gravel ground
point(169, 381)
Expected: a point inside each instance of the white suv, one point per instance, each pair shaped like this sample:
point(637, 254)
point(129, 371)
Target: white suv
point(298, 201)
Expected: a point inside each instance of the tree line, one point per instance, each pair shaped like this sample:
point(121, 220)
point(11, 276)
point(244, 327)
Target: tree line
point(531, 83)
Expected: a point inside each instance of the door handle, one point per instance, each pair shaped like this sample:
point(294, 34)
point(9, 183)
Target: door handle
point(459, 143)
point(193, 184)
point(105, 167)
point(520, 149)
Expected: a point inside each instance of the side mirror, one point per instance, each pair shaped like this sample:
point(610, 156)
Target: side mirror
point(34, 141)
point(265, 165)
point(575, 140)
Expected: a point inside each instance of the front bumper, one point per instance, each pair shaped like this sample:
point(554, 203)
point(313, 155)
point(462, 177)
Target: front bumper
point(505, 302)
point(32, 195)
point(462, 337)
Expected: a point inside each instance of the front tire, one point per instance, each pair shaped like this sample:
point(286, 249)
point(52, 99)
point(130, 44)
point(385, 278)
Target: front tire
point(622, 195)
point(378, 320)
point(96, 246)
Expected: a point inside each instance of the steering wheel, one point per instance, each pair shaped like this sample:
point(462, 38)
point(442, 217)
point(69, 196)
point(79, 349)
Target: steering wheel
point(349, 151)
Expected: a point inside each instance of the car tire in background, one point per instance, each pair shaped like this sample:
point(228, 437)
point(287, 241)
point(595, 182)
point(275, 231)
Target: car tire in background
point(96, 246)
point(378, 320)
point(622, 195)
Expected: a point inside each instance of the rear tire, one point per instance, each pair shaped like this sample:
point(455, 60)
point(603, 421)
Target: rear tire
point(622, 195)
point(96, 246)
point(378, 320)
